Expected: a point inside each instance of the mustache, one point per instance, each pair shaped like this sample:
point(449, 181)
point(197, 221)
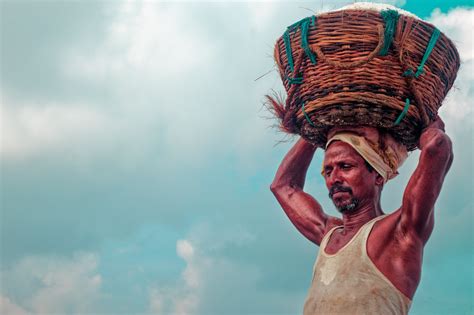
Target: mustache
point(339, 188)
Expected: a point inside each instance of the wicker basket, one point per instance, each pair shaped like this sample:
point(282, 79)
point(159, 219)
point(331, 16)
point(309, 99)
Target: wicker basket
point(363, 67)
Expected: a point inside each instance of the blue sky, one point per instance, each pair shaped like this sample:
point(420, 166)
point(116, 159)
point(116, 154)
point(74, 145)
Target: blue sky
point(136, 159)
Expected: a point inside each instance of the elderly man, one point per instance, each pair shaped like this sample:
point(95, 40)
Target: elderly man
point(369, 262)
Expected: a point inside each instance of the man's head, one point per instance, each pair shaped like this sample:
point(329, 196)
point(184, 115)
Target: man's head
point(351, 181)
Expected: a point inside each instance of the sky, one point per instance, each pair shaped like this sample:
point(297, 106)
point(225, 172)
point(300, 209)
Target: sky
point(136, 159)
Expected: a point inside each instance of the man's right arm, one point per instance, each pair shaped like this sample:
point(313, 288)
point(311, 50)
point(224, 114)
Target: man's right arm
point(301, 208)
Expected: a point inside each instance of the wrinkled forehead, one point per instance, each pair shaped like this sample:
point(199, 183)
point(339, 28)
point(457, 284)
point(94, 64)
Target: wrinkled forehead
point(339, 150)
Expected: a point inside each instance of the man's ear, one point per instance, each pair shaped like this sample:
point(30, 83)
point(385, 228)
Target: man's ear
point(379, 181)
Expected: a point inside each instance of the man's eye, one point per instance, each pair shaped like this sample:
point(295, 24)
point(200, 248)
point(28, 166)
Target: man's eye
point(346, 166)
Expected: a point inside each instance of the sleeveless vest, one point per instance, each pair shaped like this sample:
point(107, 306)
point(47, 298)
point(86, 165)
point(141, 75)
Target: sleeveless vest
point(348, 282)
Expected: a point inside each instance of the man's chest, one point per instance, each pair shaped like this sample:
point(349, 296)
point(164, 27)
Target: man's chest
point(338, 240)
point(398, 259)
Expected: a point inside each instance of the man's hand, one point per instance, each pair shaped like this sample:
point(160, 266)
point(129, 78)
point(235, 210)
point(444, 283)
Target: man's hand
point(438, 123)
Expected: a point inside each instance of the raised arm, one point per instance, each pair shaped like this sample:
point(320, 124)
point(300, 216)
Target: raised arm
point(416, 219)
point(301, 208)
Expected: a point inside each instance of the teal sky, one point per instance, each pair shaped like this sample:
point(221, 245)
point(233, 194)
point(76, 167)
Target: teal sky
point(136, 159)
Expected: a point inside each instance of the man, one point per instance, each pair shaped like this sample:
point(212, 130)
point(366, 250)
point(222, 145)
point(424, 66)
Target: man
point(369, 262)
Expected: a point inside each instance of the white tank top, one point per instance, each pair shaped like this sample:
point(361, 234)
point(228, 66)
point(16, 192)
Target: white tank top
point(348, 282)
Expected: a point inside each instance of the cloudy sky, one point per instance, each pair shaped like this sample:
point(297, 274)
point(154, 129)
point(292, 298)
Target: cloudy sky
point(136, 160)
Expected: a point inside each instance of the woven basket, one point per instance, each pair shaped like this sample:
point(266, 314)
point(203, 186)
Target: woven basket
point(363, 67)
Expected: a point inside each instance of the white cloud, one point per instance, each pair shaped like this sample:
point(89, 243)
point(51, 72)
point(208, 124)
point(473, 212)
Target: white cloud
point(177, 78)
point(398, 3)
point(184, 249)
point(458, 25)
point(186, 305)
point(191, 275)
point(212, 283)
point(47, 284)
point(225, 282)
point(156, 40)
point(183, 299)
point(27, 129)
point(173, 82)
point(7, 307)
point(156, 303)
point(150, 65)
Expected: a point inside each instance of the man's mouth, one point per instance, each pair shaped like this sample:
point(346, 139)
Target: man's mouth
point(339, 190)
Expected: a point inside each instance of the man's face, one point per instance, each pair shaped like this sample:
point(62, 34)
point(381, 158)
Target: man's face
point(349, 181)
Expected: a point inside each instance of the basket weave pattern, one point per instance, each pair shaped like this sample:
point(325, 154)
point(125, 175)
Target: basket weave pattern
point(351, 82)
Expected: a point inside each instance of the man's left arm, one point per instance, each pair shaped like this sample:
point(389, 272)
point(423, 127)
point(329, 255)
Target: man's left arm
point(425, 184)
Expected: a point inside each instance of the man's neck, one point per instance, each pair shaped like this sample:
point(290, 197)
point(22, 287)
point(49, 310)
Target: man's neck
point(354, 220)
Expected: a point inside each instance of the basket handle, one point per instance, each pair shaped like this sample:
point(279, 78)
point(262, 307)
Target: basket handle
point(354, 64)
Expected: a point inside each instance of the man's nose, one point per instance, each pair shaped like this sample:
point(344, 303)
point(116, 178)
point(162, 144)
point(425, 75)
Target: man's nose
point(334, 178)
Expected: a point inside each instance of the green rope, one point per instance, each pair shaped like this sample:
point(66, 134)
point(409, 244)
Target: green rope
point(408, 73)
point(304, 39)
point(289, 55)
point(295, 80)
point(295, 25)
point(304, 26)
point(306, 115)
point(429, 49)
point(390, 18)
point(404, 112)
